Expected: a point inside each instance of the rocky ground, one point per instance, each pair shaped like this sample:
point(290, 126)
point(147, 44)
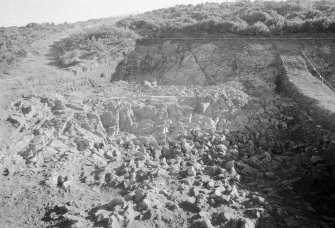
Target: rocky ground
point(194, 153)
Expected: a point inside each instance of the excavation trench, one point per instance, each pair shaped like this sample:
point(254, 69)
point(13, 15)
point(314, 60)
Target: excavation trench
point(191, 134)
point(262, 117)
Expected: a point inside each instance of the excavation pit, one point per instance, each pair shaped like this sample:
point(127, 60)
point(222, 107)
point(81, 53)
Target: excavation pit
point(190, 133)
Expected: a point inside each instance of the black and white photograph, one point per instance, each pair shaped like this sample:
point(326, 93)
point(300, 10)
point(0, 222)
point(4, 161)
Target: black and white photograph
point(167, 113)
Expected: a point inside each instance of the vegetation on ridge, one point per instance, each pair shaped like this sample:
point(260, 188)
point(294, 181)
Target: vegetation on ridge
point(245, 18)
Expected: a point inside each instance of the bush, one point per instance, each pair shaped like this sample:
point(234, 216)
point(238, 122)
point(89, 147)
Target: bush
point(284, 8)
point(311, 14)
point(70, 58)
point(231, 26)
point(294, 26)
point(317, 25)
point(320, 24)
point(297, 15)
point(143, 26)
point(253, 16)
point(258, 28)
point(276, 24)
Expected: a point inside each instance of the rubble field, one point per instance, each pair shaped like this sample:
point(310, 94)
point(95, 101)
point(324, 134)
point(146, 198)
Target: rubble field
point(187, 134)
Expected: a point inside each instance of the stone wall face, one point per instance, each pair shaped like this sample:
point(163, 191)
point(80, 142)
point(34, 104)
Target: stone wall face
point(199, 63)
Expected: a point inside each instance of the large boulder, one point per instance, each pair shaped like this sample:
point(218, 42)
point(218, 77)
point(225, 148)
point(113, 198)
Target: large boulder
point(203, 122)
point(109, 119)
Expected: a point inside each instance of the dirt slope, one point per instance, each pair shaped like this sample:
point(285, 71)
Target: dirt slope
point(37, 74)
point(313, 95)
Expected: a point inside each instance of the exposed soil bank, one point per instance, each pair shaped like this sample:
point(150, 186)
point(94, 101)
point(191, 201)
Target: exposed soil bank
point(313, 97)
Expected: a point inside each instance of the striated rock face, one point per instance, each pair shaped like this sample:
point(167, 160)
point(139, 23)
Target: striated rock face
point(167, 63)
point(181, 63)
point(217, 65)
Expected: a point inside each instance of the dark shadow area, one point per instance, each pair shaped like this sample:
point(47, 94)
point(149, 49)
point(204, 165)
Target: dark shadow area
point(55, 52)
point(57, 211)
point(319, 189)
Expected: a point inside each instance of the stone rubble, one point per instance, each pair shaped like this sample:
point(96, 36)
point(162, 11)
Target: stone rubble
point(173, 156)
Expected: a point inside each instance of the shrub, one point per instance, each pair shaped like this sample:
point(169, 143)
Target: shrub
point(311, 14)
point(231, 26)
point(70, 58)
point(253, 16)
point(317, 25)
point(143, 26)
point(331, 26)
point(258, 28)
point(320, 24)
point(294, 26)
point(284, 8)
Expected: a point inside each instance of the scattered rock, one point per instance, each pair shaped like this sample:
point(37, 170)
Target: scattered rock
point(116, 201)
point(101, 215)
point(246, 223)
point(16, 121)
point(139, 195)
point(202, 223)
point(226, 216)
point(316, 159)
point(108, 119)
point(74, 107)
point(136, 224)
point(146, 203)
point(58, 105)
point(213, 171)
point(191, 171)
point(82, 144)
point(270, 175)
